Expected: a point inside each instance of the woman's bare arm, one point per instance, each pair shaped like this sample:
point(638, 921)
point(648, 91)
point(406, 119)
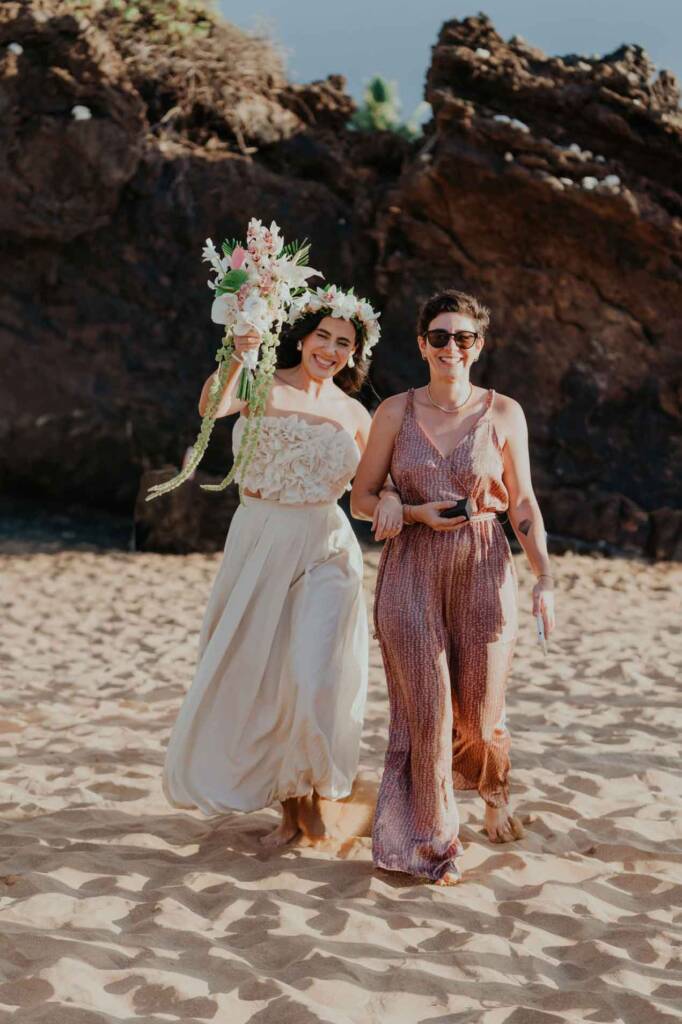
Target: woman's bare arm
point(376, 460)
point(524, 512)
point(229, 404)
point(363, 425)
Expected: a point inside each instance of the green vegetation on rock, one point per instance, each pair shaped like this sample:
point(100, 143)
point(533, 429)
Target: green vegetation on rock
point(167, 21)
point(199, 76)
point(380, 111)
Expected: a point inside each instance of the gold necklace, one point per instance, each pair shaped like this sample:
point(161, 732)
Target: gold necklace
point(442, 407)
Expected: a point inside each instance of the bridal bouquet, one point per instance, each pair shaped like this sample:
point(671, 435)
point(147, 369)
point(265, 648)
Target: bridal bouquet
point(254, 286)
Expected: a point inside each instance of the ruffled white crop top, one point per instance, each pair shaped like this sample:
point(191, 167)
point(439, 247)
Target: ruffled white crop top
point(297, 462)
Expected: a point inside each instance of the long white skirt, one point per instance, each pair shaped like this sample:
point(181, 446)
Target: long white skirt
point(276, 706)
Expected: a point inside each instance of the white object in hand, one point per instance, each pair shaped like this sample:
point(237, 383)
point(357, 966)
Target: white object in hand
point(250, 358)
point(539, 622)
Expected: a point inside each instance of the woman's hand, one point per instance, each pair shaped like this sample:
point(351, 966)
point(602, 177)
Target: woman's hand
point(543, 603)
point(429, 515)
point(388, 517)
point(246, 343)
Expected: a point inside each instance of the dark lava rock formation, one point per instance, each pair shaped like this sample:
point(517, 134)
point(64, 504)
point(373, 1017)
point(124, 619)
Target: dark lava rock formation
point(549, 186)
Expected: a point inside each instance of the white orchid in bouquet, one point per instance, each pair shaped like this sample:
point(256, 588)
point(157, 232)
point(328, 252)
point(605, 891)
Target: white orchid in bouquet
point(255, 286)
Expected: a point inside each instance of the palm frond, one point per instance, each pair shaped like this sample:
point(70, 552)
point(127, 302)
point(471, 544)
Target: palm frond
point(296, 251)
point(229, 245)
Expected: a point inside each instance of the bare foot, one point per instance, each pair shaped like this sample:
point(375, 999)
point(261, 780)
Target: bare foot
point(287, 828)
point(310, 818)
point(280, 836)
point(501, 825)
point(451, 877)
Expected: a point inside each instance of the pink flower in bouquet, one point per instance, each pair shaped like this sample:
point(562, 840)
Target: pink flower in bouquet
point(238, 257)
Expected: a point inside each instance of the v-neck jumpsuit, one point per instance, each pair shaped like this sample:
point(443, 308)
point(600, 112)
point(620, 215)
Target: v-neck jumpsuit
point(446, 617)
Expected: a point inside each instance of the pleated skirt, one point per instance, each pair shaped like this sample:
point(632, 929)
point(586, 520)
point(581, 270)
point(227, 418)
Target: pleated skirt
point(276, 706)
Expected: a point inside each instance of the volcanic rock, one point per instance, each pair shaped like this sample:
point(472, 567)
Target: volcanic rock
point(187, 519)
point(61, 173)
point(585, 285)
point(105, 325)
point(548, 186)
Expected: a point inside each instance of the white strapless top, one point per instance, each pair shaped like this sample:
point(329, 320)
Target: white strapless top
point(297, 462)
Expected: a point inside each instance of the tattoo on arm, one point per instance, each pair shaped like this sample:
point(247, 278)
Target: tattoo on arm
point(524, 526)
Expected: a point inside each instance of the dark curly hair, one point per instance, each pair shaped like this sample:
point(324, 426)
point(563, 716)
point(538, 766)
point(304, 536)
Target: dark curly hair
point(351, 378)
point(451, 301)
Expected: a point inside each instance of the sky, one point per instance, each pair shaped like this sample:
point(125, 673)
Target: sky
point(393, 38)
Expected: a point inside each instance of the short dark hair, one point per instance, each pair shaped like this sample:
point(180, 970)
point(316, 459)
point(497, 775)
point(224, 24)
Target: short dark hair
point(451, 301)
point(351, 378)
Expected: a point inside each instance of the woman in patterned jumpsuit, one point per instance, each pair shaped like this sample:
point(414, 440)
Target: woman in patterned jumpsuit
point(446, 601)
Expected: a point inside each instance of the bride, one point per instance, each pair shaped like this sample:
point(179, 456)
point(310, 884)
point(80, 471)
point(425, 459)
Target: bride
point(276, 707)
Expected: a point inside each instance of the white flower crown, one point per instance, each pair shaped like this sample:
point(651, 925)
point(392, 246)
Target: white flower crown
point(345, 306)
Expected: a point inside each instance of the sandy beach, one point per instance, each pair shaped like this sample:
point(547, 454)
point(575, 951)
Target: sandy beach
point(114, 907)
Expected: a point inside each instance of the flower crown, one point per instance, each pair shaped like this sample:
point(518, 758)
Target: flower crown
point(343, 305)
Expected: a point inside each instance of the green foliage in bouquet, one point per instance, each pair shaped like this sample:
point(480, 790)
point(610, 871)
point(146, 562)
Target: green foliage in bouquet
point(223, 358)
point(258, 397)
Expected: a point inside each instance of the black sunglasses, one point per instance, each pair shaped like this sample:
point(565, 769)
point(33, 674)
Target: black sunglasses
point(439, 338)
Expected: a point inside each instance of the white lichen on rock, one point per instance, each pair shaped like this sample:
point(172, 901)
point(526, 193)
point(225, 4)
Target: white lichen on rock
point(482, 52)
point(552, 181)
point(81, 113)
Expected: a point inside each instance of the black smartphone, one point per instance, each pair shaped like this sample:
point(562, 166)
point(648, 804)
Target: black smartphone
point(464, 507)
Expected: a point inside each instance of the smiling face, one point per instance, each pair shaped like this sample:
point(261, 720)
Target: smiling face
point(326, 350)
point(451, 362)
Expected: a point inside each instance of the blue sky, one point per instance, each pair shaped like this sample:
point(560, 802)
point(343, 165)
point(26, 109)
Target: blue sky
point(360, 38)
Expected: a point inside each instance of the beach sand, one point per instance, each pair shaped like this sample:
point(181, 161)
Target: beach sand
point(114, 907)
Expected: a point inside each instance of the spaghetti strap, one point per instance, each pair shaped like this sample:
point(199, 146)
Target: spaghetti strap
point(408, 416)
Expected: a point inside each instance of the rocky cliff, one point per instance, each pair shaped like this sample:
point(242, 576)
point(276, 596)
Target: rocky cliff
point(550, 186)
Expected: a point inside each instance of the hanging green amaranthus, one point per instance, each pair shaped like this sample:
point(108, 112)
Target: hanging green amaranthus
point(260, 389)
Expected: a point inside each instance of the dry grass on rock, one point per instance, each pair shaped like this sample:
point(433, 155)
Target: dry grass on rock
point(199, 76)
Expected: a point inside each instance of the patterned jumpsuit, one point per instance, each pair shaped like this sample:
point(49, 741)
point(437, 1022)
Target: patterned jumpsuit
point(446, 618)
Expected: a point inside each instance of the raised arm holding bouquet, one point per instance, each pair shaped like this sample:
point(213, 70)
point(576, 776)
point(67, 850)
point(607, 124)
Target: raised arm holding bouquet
point(254, 288)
